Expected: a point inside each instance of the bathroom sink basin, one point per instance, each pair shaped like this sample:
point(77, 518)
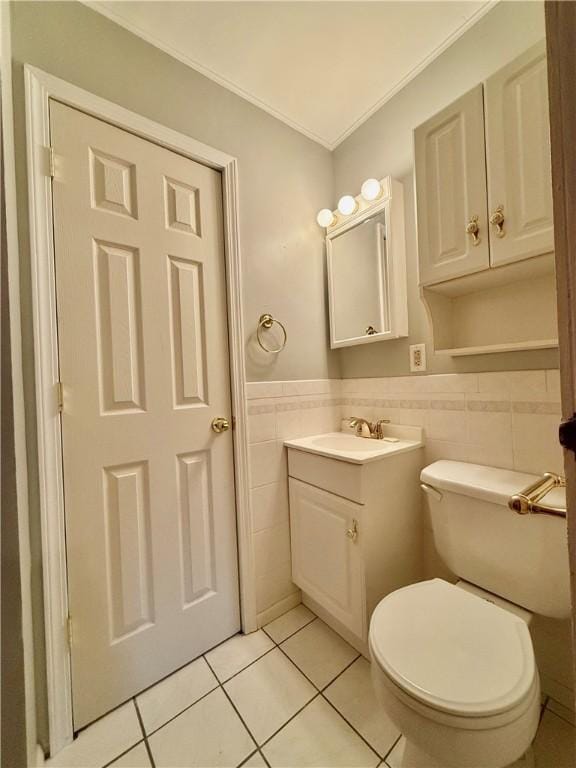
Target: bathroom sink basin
point(359, 450)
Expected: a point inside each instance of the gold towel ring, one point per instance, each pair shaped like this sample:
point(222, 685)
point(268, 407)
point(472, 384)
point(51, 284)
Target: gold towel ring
point(267, 321)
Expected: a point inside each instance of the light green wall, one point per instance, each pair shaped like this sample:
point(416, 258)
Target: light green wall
point(383, 146)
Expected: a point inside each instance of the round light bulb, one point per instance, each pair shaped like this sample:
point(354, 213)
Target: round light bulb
point(325, 218)
point(371, 189)
point(347, 205)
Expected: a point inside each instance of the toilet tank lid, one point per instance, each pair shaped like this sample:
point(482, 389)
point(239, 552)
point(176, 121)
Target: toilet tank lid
point(490, 484)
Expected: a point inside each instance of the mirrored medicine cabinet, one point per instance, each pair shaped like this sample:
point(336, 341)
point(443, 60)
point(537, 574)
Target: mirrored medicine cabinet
point(367, 271)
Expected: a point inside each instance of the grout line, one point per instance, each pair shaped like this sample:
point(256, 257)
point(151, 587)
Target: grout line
point(553, 712)
point(197, 701)
point(138, 714)
point(235, 708)
point(356, 731)
point(277, 731)
point(314, 617)
point(387, 755)
point(221, 682)
point(321, 694)
point(341, 672)
point(123, 753)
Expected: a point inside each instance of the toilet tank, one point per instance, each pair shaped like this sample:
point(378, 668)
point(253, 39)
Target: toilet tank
point(523, 558)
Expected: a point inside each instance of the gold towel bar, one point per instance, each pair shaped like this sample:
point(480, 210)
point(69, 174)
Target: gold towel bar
point(528, 501)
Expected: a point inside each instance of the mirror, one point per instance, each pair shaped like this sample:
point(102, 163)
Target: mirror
point(367, 275)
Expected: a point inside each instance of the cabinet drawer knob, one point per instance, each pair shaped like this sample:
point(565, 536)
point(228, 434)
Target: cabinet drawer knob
point(352, 533)
point(497, 220)
point(473, 228)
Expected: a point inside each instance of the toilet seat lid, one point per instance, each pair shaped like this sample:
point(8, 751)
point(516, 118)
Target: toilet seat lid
point(452, 650)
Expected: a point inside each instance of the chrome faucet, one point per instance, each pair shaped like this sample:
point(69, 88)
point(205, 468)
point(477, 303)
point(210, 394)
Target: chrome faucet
point(375, 428)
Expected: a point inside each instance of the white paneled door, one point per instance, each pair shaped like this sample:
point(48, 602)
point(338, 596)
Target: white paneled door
point(149, 486)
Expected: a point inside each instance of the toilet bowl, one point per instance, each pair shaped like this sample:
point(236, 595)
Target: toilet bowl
point(457, 676)
point(453, 666)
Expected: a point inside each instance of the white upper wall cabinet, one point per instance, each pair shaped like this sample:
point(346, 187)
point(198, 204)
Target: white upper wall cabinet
point(483, 179)
point(518, 159)
point(451, 191)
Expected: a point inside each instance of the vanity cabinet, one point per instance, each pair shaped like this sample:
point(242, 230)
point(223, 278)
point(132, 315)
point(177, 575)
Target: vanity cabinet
point(355, 530)
point(326, 561)
point(483, 177)
point(484, 215)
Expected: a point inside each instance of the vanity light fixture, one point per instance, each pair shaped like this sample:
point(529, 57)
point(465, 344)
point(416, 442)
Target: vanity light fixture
point(371, 190)
point(325, 218)
point(373, 194)
point(347, 205)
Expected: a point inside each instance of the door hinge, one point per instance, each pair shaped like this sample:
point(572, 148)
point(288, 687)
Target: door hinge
point(60, 396)
point(567, 434)
point(51, 162)
point(69, 631)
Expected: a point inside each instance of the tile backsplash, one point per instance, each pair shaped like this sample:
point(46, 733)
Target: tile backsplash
point(505, 419)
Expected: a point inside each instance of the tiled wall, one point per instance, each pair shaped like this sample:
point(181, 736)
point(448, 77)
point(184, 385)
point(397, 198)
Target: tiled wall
point(278, 411)
point(505, 419)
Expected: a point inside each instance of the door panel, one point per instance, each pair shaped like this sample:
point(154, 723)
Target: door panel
point(149, 489)
point(326, 563)
point(518, 158)
point(451, 189)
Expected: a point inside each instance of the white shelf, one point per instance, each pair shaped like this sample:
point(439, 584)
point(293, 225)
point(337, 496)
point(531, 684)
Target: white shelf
point(489, 349)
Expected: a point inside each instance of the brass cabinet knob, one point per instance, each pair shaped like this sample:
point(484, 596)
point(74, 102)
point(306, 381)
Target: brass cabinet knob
point(220, 424)
point(473, 228)
point(352, 533)
point(497, 220)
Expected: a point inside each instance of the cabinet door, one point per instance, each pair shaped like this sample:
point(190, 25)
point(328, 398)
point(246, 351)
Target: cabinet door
point(450, 169)
point(518, 158)
point(326, 562)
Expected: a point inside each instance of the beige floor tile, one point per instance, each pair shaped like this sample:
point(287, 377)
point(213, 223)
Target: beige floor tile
point(102, 741)
point(289, 623)
point(137, 757)
point(208, 735)
point(165, 700)
point(235, 654)
point(394, 758)
point(269, 693)
point(319, 652)
point(255, 761)
point(318, 737)
point(353, 696)
point(554, 745)
point(561, 711)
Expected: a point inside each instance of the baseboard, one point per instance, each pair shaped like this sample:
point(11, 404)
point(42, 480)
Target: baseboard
point(557, 691)
point(279, 608)
point(40, 759)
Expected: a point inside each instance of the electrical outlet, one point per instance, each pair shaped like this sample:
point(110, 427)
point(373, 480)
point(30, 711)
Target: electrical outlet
point(417, 357)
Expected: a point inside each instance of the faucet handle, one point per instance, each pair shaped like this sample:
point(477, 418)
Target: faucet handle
point(379, 432)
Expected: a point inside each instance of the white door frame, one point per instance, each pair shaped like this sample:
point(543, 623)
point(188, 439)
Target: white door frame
point(40, 87)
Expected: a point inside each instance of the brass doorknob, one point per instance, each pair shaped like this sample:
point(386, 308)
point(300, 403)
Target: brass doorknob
point(220, 424)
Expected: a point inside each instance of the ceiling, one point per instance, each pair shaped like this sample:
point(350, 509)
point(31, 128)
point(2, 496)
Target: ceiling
point(321, 67)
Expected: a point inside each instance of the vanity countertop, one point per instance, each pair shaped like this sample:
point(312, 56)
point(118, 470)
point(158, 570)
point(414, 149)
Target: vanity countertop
point(345, 446)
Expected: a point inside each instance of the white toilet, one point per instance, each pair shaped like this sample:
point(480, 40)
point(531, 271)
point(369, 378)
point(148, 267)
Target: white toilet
point(453, 665)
